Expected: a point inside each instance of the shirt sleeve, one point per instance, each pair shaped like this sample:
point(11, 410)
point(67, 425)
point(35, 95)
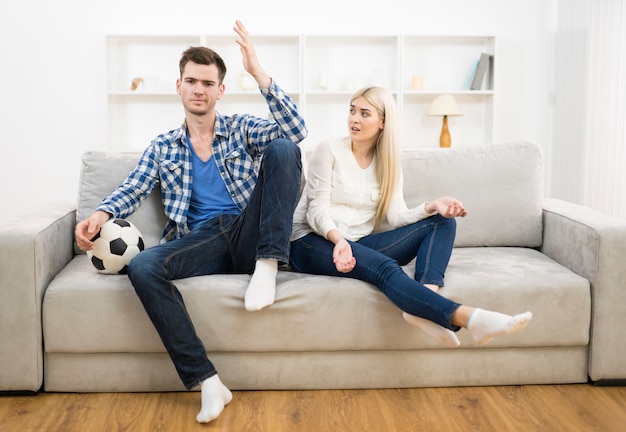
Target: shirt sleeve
point(127, 197)
point(283, 109)
point(399, 214)
point(319, 188)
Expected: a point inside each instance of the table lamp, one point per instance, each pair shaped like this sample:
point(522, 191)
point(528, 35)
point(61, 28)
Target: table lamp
point(444, 105)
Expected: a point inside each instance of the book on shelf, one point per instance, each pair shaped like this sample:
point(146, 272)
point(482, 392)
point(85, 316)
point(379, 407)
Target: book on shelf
point(483, 64)
point(470, 75)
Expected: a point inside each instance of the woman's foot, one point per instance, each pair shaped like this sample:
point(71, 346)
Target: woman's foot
point(443, 335)
point(484, 325)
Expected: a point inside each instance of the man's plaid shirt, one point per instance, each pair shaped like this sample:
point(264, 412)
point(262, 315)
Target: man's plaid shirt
point(238, 146)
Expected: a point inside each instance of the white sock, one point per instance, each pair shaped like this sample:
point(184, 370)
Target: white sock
point(215, 396)
point(485, 325)
point(443, 335)
point(261, 291)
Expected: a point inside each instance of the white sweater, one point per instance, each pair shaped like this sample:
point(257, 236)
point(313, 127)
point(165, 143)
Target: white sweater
point(340, 194)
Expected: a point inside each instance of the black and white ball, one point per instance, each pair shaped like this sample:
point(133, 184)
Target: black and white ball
point(114, 246)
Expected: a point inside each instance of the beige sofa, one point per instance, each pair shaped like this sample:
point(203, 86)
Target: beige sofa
point(72, 329)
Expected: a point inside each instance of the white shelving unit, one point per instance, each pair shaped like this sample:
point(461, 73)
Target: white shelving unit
point(445, 62)
point(320, 72)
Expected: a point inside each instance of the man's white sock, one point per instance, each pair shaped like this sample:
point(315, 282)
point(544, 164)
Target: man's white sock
point(261, 291)
point(215, 396)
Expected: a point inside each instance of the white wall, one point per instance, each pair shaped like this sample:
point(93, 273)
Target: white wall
point(589, 144)
point(52, 97)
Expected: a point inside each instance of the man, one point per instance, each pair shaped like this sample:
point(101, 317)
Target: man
point(229, 187)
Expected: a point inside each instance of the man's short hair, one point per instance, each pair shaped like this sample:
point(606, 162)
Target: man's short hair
point(204, 56)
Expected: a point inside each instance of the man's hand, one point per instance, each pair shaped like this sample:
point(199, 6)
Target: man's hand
point(250, 61)
point(446, 207)
point(87, 229)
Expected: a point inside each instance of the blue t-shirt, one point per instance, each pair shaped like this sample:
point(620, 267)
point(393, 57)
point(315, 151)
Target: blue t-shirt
point(209, 196)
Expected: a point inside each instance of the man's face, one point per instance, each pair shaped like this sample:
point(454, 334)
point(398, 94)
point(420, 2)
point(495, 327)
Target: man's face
point(199, 88)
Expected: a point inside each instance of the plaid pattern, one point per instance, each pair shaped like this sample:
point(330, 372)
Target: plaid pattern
point(237, 148)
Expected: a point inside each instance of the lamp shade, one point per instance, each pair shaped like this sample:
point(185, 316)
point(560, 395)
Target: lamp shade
point(444, 105)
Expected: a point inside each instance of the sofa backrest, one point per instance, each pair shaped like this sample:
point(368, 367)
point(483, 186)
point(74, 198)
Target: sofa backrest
point(101, 173)
point(500, 185)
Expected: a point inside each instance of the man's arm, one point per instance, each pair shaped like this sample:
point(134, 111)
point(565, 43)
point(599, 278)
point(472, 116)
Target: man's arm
point(87, 229)
point(250, 60)
point(285, 112)
point(123, 201)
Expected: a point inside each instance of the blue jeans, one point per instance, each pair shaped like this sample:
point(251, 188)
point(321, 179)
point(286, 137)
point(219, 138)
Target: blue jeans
point(225, 244)
point(378, 260)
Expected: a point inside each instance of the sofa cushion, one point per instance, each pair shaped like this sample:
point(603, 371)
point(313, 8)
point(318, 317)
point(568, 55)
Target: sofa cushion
point(500, 185)
point(101, 173)
point(88, 312)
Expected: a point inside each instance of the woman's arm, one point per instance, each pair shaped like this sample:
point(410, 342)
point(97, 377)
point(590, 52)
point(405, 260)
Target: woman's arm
point(319, 190)
point(342, 252)
point(400, 215)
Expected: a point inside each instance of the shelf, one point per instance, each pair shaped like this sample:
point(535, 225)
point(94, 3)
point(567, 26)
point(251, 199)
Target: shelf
point(452, 92)
point(141, 93)
point(345, 63)
point(319, 72)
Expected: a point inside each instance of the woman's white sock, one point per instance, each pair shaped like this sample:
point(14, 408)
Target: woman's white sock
point(484, 325)
point(443, 335)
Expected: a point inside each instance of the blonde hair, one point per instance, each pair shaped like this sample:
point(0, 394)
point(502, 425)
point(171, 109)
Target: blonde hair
point(386, 151)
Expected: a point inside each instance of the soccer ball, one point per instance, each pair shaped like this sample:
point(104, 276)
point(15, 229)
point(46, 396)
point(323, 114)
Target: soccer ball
point(117, 242)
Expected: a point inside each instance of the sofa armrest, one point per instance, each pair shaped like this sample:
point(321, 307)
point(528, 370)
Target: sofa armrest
point(33, 249)
point(593, 245)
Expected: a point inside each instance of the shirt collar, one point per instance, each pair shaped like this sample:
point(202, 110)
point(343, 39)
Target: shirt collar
point(220, 128)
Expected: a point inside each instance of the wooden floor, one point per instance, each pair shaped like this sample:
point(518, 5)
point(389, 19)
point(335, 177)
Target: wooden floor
point(580, 407)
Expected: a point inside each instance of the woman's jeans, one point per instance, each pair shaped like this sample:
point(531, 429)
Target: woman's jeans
point(379, 258)
point(225, 244)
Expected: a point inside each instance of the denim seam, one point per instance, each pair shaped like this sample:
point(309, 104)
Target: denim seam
point(430, 246)
point(448, 312)
point(429, 250)
point(409, 234)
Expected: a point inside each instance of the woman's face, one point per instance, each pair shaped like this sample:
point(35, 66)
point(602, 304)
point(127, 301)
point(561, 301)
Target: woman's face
point(364, 123)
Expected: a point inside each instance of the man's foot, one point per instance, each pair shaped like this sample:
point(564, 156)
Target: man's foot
point(261, 291)
point(215, 396)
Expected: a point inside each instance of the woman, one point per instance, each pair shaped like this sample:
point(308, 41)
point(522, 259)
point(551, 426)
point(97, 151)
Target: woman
point(354, 184)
